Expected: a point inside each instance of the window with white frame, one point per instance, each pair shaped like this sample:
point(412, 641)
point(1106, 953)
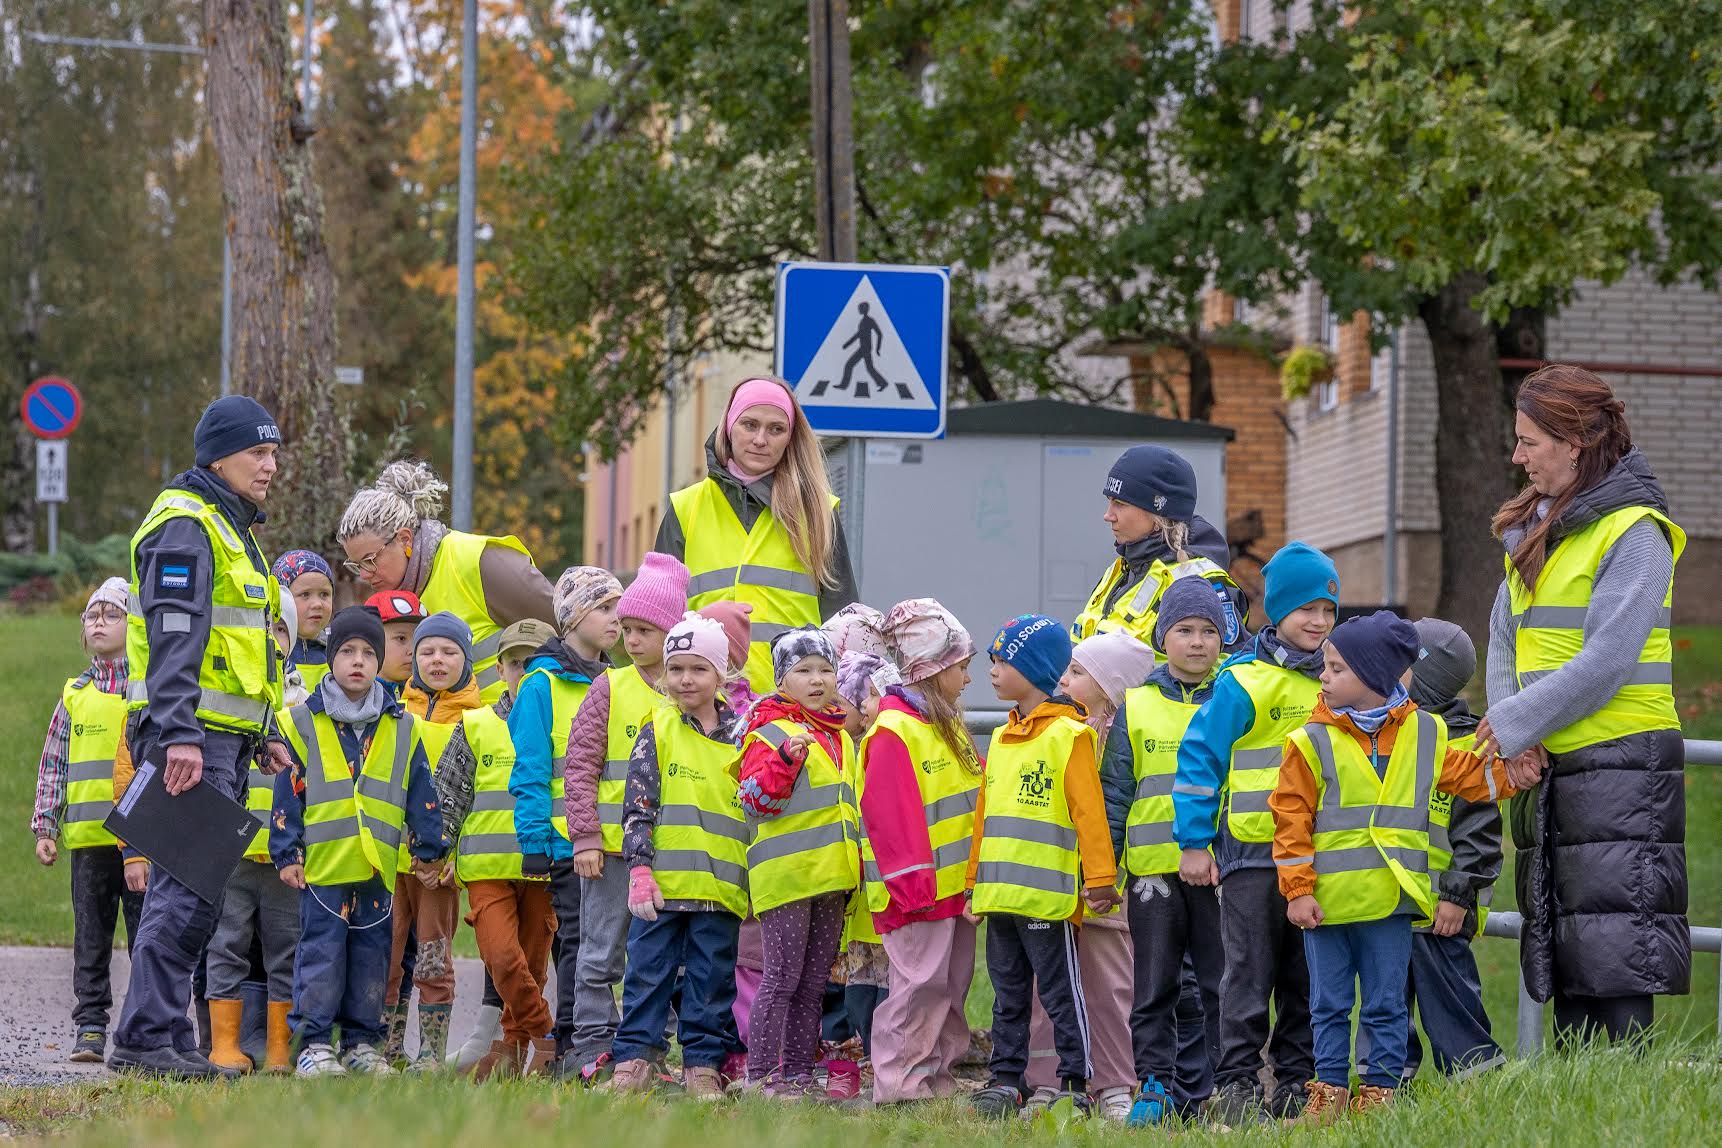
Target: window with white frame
point(1380, 368)
point(1327, 394)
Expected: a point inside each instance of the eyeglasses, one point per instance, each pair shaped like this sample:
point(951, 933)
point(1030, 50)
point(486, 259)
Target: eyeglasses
point(104, 614)
point(368, 564)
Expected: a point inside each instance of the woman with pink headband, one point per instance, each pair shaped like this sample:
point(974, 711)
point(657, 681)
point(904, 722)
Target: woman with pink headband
point(762, 526)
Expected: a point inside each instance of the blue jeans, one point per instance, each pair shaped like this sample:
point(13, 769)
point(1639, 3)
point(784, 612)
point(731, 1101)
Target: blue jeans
point(341, 970)
point(1377, 956)
point(704, 945)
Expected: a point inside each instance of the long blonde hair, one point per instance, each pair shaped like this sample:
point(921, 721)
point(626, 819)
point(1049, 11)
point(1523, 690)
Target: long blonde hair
point(800, 490)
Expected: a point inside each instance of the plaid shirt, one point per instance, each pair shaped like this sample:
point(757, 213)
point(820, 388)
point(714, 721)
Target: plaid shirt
point(51, 774)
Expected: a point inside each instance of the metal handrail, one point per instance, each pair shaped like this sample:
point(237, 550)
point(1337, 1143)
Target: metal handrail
point(1504, 924)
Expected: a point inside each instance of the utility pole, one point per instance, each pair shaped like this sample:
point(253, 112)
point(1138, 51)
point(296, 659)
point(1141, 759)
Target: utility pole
point(461, 515)
point(834, 198)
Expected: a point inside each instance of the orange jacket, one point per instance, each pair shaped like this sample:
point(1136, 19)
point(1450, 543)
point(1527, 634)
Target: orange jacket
point(1463, 774)
point(443, 707)
point(1082, 792)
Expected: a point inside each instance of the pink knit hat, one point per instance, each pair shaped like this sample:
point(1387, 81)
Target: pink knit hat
point(925, 638)
point(1116, 660)
point(700, 636)
point(658, 595)
point(733, 617)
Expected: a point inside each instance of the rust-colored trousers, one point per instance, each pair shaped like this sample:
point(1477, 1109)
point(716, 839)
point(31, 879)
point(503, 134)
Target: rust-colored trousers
point(431, 915)
point(515, 924)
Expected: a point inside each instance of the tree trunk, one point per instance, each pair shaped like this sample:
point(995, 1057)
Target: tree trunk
point(1201, 380)
point(1473, 450)
point(283, 336)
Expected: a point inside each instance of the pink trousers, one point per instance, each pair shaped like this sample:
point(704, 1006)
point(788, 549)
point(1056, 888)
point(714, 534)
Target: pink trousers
point(919, 1031)
point(1106, 956)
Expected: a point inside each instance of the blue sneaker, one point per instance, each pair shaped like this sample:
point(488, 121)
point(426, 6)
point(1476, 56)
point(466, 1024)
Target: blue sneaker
point(1152, 1105)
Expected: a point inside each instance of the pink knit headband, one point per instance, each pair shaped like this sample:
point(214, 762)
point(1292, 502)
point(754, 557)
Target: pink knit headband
point(759, 393)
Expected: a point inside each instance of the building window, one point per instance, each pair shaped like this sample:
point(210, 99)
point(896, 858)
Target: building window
point(1240, 312)
point(1327, 395)
point(1380, 368)
point(1329, 332)
point(1244, 7)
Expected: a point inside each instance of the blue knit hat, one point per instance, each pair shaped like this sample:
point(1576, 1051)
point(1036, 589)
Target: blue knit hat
point(443, 624)
point(1191, 596)
point(1296, 576)
point(1378, 648)
point(1157, 480)
point(232, 424)
point(1035, 646)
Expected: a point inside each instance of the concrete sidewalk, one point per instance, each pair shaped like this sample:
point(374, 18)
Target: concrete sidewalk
point(36, 1010)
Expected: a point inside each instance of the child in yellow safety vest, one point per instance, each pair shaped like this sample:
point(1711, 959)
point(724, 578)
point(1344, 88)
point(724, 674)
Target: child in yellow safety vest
point(797, 786)
point(427, 912)
point(359, 794)
point(920, 778)
point(558, 677)
point(595, 770)
point(1227, 765)
point(259, 912)
point(1040, 853)
point(1175, 1018)
point(510, 913)
point(1351, 843)
point(307, 578)
point(74, 794)
point(684, 842)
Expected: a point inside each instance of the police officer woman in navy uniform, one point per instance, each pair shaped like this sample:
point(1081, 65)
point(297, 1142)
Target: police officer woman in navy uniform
point(203, 694)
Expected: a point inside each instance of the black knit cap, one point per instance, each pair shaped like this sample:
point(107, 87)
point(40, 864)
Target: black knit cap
point(1157, 480)
point(356, 622)
point(1379, 648)
point(232, 424)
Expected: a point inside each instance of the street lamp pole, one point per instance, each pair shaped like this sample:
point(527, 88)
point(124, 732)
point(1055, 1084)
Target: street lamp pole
point(463, 306)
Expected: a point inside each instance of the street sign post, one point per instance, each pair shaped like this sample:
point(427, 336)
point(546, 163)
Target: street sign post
point(51, 407)
point(864, 346)
point(51, 485)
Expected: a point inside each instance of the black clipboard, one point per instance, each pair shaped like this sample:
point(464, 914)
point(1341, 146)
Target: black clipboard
point(198, 836)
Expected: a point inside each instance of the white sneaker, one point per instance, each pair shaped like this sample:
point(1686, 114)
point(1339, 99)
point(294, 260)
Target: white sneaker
point(1114, 1103)
point(1038, 1101)
point(363, 1060)
point(484, 1033)
point(318, 1060)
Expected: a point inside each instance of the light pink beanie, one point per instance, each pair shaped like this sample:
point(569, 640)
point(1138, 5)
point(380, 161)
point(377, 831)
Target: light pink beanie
point(1116, 660)
point(700, 636)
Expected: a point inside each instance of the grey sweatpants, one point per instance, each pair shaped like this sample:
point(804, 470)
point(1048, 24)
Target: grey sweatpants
point(255, 904)
point(603, 955)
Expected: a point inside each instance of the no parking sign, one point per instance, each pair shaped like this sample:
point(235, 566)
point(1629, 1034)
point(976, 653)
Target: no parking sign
point(51, 407)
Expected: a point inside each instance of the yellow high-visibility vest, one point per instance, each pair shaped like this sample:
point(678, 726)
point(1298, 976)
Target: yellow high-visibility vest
point(97, 721)
point(489, 849)
point(1371, 838)
point(239, 682)
point(1137, 610)
point(632, 700)
point(727, 563)
point(813, 846)
point(700, 841)
point(1550, 632)
point(455, 586)
point(1283, 700)
point(1028, 863)
point(948, 796)
point(565, 699)
point(355, 827)
point(1441, 845)
point(1156, 725)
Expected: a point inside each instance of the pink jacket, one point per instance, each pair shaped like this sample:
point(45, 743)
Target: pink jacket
point(588, 746)
point(897, 827)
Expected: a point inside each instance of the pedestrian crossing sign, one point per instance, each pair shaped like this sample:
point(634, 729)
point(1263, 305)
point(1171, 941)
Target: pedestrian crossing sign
point(864, 345)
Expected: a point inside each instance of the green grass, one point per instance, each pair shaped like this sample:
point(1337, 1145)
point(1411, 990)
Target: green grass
point(38, 652)
point(1597, 1098)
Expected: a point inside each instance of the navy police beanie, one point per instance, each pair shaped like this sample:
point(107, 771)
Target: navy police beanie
point(1157, 480)
point(232, 424)
point(1035, 646)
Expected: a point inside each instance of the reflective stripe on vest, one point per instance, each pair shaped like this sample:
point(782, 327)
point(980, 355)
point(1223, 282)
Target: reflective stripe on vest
point(1550, 632)
point(701, 837)
point(758, 566)
point(456, 586)
point(436, 735)
point(1156, 725)
point(354, 828)
point(948, 796)
point(632, 700)
point(813, 846)
point(1028, 862)
point(239, 680)
point(1371, 834)
point(1136, 610)
point(97, 720)
point(565, 699)
point(1283, 700)
point(488, 848)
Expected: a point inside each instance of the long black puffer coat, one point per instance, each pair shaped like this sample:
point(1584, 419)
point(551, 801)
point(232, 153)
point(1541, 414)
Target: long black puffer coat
point(1601, 876)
